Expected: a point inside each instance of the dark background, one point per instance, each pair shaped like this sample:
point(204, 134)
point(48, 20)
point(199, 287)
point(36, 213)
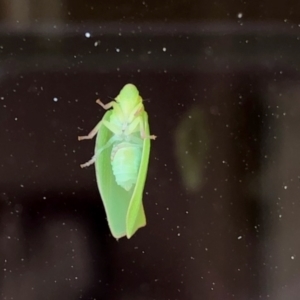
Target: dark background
point(221, 84)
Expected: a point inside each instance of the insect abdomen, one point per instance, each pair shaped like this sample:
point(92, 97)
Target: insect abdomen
point(125, 163)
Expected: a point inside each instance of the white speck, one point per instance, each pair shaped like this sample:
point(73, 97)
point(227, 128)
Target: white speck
point(16, 119)
point(292, 257)
point(285, 187)
point(164, 49)
point(239, 237)
point(87, 35)
point(21, 185)
point(55, 99)
point(240, 15)
point(97, 43)
point(117, 50)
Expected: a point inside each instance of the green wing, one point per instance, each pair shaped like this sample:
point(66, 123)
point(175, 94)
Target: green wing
point(124, 210)
point(135, 215)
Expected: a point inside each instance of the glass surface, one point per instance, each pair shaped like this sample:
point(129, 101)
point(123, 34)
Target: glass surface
point(220, 82)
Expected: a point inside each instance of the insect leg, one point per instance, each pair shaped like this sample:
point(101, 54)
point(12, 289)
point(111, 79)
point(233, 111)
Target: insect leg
point(133, 126)
point(107, 105)
point(137, 110)
point(136, 141)
point(112, 127)
point(142, 131)
point(91, 134)
point(93, 159)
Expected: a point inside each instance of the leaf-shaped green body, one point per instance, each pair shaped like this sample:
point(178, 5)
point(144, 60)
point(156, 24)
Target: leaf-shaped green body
point(124, 209)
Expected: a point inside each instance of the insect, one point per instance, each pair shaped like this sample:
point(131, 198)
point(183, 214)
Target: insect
point(121, 160)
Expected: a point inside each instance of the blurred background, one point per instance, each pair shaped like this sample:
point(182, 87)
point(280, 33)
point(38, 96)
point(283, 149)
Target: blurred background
point(221, 84)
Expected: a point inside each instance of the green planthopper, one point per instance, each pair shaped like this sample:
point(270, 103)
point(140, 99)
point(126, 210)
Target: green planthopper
point(121, 160)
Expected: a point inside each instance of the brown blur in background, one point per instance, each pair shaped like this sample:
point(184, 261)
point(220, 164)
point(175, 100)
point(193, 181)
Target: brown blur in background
point(221, 84)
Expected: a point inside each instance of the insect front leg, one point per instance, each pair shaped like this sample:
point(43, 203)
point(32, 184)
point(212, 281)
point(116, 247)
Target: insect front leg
point(107, 105)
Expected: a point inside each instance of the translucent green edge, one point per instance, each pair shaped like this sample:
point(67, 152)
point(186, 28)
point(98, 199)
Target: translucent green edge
point(124, 210)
